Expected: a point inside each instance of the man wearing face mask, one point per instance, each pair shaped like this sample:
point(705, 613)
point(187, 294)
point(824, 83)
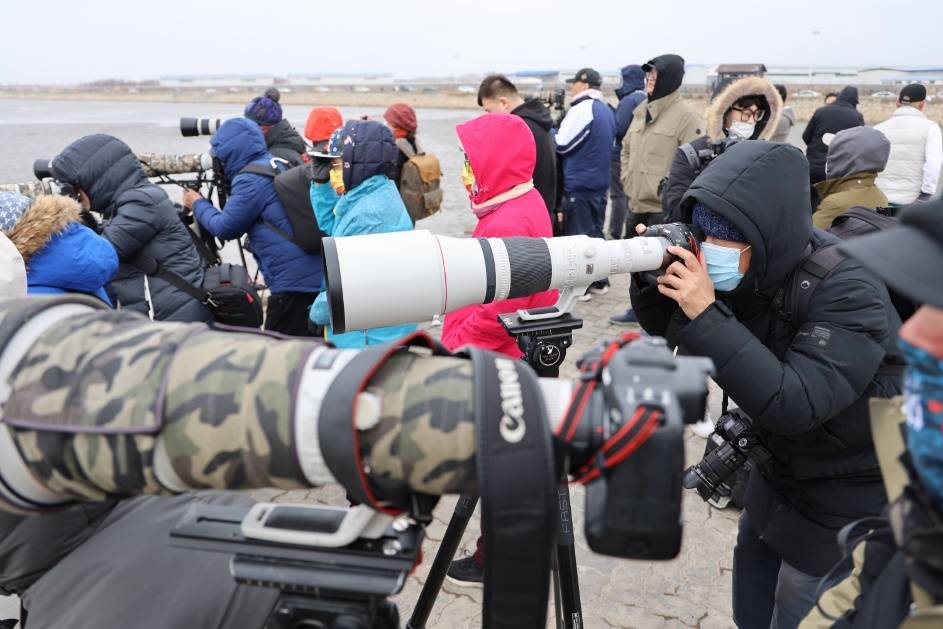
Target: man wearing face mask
point(897, 579)
point(739, 110)
point(803, 378)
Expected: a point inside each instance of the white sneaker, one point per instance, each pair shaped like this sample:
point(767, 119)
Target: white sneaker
point(584, 297)
point(599, 290)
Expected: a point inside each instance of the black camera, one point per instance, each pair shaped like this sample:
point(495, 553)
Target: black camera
point(42, 169)
point(191, 127)
point(699, 159)
point(736, 443)
point(634, 510)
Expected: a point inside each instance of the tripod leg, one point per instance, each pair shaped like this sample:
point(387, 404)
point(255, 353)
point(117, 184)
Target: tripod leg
point(557, 598)
point(566, 563)
point(443, 557)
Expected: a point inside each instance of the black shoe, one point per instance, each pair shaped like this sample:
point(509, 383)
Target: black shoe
point(466, 572)
point(626, 318)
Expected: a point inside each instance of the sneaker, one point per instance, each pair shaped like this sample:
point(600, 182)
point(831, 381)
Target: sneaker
point(599, 288)
point(626, 318)
point(585, 297)
point(466, 572)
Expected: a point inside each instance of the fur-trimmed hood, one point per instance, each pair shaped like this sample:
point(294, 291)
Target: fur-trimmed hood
point(747, 86)
point(47, 216)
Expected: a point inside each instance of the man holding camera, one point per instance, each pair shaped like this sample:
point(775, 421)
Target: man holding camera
point(804, 378)
point(293, 275)
point(140, 222)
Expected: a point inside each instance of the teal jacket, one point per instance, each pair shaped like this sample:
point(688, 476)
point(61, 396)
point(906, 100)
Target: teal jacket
point(373, 207)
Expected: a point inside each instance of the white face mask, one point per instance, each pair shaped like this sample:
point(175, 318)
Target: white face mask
point(742, 130)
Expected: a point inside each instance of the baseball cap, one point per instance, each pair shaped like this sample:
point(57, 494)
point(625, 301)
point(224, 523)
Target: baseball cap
point(587, 75)
point(335, 145)
point(913, 93)
point(907, 257)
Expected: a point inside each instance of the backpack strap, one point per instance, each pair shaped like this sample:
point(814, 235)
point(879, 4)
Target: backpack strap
point(406, 148)
point(150, 266)
point(690, 154)
point(795, 297)
point(271, 170)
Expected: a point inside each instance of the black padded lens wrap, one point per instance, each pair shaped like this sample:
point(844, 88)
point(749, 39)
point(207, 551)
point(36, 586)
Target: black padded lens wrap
point(530, 265)
point(490, 281)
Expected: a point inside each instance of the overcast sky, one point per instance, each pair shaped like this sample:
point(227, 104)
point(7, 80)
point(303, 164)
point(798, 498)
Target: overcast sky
point(64, 41)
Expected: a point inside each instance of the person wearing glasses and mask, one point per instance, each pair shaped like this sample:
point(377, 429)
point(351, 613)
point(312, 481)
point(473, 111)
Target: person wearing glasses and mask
point(742, 110)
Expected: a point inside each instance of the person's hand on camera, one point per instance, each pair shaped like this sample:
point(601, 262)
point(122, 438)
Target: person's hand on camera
point(687, 282)
point(190, 197)
point(640, 229)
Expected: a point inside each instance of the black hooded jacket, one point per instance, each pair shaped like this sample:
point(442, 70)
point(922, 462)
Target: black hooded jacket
point(670, 70)
point(139, 218)
point(840, 115)
point(805, 384)
point(285, 142)
point(538, 119)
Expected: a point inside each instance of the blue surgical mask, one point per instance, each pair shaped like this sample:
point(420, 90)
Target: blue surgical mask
point(723, 265)
point(923, 407)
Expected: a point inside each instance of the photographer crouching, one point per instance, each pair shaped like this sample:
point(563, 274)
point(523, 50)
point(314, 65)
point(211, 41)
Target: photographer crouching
point(803, 378)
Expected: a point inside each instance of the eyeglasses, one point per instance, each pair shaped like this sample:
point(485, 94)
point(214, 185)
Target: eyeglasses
point(746, 115)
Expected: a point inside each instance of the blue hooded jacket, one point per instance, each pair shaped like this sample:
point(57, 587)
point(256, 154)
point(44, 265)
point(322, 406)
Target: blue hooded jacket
point(252, 200)
point(61, 254)
point(370, 205)
point(631, 94)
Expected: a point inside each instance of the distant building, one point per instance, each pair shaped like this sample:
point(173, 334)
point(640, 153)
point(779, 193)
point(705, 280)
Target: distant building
point(900, 76)
point(218, 80)
point(340, 80)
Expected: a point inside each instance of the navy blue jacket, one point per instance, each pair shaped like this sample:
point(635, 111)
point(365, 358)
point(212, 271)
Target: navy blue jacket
point(585, 140)
point(631, 94)
point(252, 200)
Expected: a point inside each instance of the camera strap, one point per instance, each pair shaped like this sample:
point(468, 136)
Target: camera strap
point(518, 487)
point(630, 436)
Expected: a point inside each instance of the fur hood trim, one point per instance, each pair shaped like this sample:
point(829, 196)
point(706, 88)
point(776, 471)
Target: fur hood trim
point(747, 86)
point(47, 216)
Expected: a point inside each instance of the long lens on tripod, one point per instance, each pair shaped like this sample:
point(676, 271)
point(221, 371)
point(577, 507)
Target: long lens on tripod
point(190, 127)
point(388, 279)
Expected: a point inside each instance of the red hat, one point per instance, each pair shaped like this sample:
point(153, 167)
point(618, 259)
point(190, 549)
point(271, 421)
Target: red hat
point(401, 116)
point(322, 121)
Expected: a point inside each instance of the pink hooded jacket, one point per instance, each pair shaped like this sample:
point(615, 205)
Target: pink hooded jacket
point(501, 151)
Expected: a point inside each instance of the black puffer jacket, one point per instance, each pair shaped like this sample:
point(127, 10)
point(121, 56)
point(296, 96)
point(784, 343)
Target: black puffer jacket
point(538, 120)
point(139, 218)
point(805, 385)
point(840, 115)
point(285, 142)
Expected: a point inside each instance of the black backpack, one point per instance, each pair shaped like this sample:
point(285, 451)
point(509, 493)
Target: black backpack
point(858, 221)
point(293, 189)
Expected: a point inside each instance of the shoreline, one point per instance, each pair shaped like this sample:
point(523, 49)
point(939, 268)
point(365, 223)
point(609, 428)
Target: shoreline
point(874, 111)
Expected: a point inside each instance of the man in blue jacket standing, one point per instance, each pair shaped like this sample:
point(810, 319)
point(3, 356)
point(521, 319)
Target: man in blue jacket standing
point(631, 94)
point(253, 208)
point(585, 141)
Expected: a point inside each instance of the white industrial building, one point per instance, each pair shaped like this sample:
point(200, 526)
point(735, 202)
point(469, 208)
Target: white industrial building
point(337, 80)
point(218, 80)
point(900, 76)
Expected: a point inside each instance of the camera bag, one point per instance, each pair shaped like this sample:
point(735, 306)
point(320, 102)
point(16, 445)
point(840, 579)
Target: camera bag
point(227, 289)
